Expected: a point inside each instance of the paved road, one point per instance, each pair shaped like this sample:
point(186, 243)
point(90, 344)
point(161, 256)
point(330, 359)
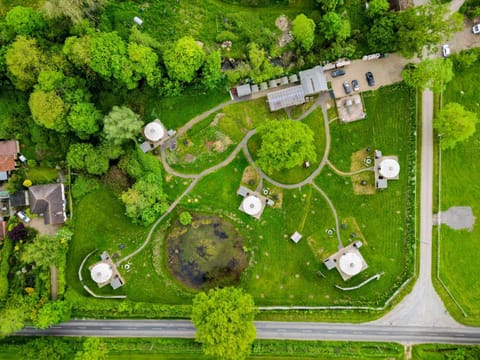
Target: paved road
point(265, 330)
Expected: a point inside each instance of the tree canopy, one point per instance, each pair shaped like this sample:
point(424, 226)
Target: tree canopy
point(454, 124)
point(224, 322)
point(24, 21)
point(303, 30)
point(285, 144)
point(433, 74)
point(183, 59)
point(121, 124)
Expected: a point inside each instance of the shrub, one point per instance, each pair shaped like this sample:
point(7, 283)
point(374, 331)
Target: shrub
point(84, 185)
point(185, 218)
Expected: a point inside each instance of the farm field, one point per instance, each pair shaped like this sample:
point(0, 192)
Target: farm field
point(459, 187)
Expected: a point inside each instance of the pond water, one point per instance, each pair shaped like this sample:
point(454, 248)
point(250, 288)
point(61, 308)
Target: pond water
point(207, 253)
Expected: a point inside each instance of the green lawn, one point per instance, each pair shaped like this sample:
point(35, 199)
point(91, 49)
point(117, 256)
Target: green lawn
point(100, 224)
point(444, 352)
point(460, 187)
point(42, 175)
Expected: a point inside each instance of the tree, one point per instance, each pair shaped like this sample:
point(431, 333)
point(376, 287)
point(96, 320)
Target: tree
point(97, 162)
point(334, 27)
point(431, 74)
point(261, 68)
point(93, 349)
point(381, 36)
point(121, 124)
point(45, 250)
point(77, 153)
point(53, 312)
point(329, 5)
point(24, 21)
point(425, 25)
point(14, 314)
point(108, 54)
point(454, 124)
point(84, 119)
point(24, 61)
point(285, 144)
point(183, 59)
point(303, 30)
point(75, 10)
point(144, 63)
point(211, 70)
point(47, 108)
point(224, 322)
point(377, 8)
point(185, 218)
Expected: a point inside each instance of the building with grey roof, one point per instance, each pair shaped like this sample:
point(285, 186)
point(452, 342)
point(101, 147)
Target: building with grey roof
point(48, 200)
point(284, 98)
point(313, 81)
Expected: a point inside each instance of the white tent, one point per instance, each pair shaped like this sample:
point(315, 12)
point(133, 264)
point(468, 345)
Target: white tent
point(154, 131)
point(252, 205)
point(350, 263)
point(389, 168)
point(101, 272)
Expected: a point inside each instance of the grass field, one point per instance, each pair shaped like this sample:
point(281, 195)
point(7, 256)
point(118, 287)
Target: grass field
point(444, 352)
point(186, 349)
point(460, 187)
point(105, 227)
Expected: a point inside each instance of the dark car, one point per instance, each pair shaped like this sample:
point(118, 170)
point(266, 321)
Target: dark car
point(347, 88)
point(355, 85)
point(370, 79)
point(338, 72)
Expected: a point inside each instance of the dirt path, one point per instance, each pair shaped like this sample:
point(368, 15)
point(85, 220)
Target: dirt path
point(54, 282)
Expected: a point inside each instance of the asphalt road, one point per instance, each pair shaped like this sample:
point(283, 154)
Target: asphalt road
point(266, 330)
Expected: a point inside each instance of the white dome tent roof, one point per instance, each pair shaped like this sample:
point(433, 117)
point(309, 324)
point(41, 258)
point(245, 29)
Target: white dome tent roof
point(154, 131)
point(101, 272)
point(389, 168)
point(350, 263)
point(252, 205)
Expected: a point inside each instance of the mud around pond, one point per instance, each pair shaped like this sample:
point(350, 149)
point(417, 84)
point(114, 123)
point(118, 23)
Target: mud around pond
point(207, 253)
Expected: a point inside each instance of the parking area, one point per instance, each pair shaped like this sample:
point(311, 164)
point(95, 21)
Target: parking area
point(386, 71)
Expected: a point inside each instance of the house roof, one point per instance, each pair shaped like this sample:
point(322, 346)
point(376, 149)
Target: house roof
point(281, 99)
point(244, 90)
point(48, 200)
point(8, 154)
point(313, 80)
point(18, 198)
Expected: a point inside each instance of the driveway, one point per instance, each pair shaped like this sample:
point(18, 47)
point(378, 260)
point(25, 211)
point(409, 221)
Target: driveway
point(386, 71)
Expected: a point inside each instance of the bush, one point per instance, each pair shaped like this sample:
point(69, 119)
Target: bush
point(84, 185)
point(185, 218)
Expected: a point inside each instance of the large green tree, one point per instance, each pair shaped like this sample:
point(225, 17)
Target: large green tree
point(303, 30)
point(433, 74)
point(121, 124)
point(84, 119)
point(381, 36)
point(24, 21)
point(93, 349)
point(285, 144)
point(184, 59)
point(211, 70)
point(53, 312)
point(333, 27)
point(224, 322)
point(425, 26)
point(47, 108)
point(454, 124)
point(14, 314)
point(24, 62)
point(45, 251)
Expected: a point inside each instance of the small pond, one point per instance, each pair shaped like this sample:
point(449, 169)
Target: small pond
point(207, 253)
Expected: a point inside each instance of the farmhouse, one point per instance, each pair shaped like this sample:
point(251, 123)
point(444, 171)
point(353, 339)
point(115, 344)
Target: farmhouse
point(8, 154)
point(49, 201)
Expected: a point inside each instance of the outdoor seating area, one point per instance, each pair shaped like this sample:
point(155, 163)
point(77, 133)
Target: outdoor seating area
point(350, 108)
point(348, 261)
point(386, 168)
point(105, 272)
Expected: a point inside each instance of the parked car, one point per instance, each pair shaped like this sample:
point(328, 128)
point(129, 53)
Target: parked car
point(476, 29)
point(337, 73)
point(355, 85)
point(445, 50)
point(370, 78)
point(22, 216)
point(347, 88)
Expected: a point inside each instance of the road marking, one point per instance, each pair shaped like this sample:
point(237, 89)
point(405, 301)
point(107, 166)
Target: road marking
point(106, 328)
point(81, 327)
point(131, 328)
point(306, 331)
